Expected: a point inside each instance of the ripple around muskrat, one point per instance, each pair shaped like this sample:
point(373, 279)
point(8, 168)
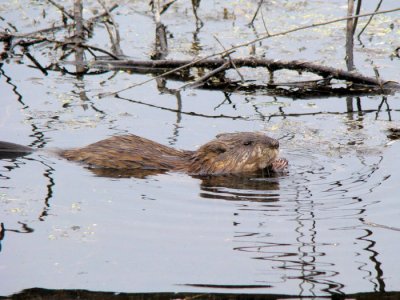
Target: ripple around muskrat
point(307, 179)
point(310, 177)
point(315, 227)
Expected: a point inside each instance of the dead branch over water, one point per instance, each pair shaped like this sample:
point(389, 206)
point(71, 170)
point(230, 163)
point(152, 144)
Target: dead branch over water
point(272, 65)
point(168, 67)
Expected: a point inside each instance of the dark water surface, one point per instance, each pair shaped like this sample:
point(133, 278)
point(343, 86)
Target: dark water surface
point(329, 226)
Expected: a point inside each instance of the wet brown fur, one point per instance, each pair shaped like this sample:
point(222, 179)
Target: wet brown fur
point(228, 153)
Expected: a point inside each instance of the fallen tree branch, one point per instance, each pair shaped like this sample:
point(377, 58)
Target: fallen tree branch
point(268, 35)
point(302, 66)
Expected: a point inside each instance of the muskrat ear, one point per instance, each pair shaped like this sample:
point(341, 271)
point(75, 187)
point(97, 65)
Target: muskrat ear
point(222, 135)
point(216, 148)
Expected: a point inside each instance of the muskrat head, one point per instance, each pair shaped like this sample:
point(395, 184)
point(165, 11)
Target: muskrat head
point(232, 153)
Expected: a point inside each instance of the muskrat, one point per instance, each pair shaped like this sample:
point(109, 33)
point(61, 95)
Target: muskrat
point(228, 153)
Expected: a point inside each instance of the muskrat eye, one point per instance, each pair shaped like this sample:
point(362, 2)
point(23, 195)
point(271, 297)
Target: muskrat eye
point(275, 144)
point(248, 143)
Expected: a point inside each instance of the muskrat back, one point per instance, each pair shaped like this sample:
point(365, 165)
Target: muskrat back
point(128, 152)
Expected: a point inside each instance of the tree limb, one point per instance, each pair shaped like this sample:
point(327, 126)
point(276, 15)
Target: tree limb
point(176, 65)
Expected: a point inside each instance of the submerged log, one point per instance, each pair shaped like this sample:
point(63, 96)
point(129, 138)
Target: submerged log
point(159, 66)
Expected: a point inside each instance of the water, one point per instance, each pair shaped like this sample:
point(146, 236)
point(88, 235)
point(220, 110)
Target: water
point(328, 226)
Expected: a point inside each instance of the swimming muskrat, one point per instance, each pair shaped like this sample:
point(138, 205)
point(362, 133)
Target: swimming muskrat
point(228, 153)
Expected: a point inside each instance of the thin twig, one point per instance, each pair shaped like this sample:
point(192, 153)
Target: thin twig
point(256, 13)
point(369, 20)
point(117, 40)
point(166, 6)
point(305, 27)
point(36, 63)
point(62, 9)
point(101, 16)
point(230, 59)
point(264, 24)
point(66, 43)
point(378, 77)
point(200, 81)
point(322, 113)
point(65, 13)
point(87, 46)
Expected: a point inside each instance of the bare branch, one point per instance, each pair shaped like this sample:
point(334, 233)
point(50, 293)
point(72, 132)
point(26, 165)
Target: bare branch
point(62, 9)
point(369, 20)
point(176, 65)
point(256, 13)
point(230, 59)
point(115, 41)
point(204, 78)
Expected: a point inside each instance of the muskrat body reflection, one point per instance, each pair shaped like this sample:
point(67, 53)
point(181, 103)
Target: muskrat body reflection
point(228, 153)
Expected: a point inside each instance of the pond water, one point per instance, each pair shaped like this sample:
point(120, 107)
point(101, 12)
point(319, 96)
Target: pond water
point(328, 226)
